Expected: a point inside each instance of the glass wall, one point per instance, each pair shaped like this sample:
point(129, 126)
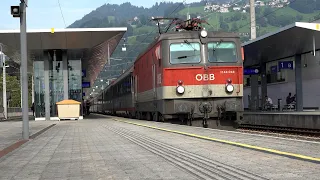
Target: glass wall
point(74, 80)
point(39, 98)
point(55, 82)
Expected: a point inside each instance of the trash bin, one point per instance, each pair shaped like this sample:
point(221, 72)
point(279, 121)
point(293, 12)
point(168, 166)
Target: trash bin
point(68, 109)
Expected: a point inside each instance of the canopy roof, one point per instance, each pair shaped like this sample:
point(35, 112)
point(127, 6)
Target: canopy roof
point(88, 44)
point(297, 38)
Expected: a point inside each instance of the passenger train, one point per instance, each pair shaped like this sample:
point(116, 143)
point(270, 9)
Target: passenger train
point(189, 74)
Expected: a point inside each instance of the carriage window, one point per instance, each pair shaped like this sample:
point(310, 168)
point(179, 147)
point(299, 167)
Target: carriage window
point(222, 52)
point(185, 53)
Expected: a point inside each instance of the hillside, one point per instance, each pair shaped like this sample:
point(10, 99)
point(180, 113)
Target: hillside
point(221, 15)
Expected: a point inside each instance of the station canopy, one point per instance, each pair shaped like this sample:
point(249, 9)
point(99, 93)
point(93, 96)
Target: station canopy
point(291, 40)
point(91, 45)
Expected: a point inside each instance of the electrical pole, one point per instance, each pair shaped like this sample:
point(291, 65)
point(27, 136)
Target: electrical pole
point(24, 70)
point(188, 16)
point(253, 20)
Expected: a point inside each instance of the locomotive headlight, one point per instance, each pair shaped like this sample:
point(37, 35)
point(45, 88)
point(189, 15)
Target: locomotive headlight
point(180, 89)
point(229, 88)
point(204, 33)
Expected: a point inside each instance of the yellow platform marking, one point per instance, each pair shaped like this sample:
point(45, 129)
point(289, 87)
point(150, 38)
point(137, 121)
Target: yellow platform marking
point(52, 30)
point(317, 26)
point(230, 142)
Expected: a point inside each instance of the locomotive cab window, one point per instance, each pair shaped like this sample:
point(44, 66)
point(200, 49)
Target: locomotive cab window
point(222, 52)
point(185, 53)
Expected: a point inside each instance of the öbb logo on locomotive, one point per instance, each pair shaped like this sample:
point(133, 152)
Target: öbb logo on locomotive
point(205, 77)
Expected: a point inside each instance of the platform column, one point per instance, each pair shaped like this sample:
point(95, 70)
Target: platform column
point(65, 75)
point(46, 84)
point(254, 92)
point(298, 78)
point(264, 86)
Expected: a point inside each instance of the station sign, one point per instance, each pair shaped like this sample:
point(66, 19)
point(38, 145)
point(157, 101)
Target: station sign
point(84, 73)
point(274, 69)
point(285, 65)
point(86, 85)
point(251, 71)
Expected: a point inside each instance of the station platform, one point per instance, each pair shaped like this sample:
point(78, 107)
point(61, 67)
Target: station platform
point(304, 119)
point(105, 147)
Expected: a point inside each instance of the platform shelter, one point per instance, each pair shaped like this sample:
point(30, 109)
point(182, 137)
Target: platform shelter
point(286, 57)
point(64, 62)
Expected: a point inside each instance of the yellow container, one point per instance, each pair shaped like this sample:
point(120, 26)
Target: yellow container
point(68, 109)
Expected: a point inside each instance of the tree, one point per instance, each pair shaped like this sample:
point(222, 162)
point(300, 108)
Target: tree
point(299, 17)
point(234, 27)
point(14, 89)
point(262, 22)
point(143, 19)
point(224, 26)
point(305, 6)
point(267, 11)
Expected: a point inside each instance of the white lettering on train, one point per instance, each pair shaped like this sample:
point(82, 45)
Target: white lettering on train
point(227, 72)
point(205, 77)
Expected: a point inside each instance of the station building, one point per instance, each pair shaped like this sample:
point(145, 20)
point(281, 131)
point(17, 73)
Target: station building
point(284, 61)
point(64, 62)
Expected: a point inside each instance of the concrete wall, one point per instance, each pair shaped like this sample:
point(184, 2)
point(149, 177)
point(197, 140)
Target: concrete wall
point(311, 82)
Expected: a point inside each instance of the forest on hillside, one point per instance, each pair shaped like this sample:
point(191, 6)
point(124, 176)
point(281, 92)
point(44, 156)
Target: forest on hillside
point(142, 31)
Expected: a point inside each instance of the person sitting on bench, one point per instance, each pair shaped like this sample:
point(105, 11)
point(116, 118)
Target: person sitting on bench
point(268, 103)
point(289, 99)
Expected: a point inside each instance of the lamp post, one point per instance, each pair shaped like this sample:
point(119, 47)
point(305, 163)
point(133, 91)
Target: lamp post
point(20, 11)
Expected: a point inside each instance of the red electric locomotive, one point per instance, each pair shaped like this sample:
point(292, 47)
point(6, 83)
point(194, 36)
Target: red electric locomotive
point(189, 74)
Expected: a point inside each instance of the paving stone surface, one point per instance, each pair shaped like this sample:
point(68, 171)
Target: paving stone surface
point(11, 131)
point(89, 149)
point(85, 150)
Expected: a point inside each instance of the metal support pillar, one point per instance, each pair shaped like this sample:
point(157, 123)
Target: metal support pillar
point(46, 59)
point(24, 71)
point(298, 74)
point(20, 87)
point(65, 75)
point(254, 92)
point(264, 86)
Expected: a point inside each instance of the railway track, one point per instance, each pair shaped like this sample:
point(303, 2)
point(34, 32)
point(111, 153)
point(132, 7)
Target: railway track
point(285, 131)
point(199, 166)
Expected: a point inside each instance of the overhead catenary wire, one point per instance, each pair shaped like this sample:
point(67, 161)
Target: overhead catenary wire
point(148, 34)
point(62, 14)
point(154, 29)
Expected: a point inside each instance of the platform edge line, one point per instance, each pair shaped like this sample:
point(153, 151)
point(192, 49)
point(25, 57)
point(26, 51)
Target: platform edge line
point(252, 147)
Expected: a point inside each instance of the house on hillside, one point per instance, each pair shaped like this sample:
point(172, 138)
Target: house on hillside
point(259, 3)
point(236, 8)
point(223, 10)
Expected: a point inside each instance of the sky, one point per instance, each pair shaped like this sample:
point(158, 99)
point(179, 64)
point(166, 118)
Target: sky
point(46, 14)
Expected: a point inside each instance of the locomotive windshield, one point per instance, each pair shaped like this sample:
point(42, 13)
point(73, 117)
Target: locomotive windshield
point(185, 53)
point(222, 52)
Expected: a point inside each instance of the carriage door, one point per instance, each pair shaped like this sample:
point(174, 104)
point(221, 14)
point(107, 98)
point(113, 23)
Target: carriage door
point(154, 77)
point(135, 79)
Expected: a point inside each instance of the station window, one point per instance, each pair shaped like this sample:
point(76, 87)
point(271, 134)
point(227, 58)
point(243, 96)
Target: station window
point(185, 53)
point(222, 52)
